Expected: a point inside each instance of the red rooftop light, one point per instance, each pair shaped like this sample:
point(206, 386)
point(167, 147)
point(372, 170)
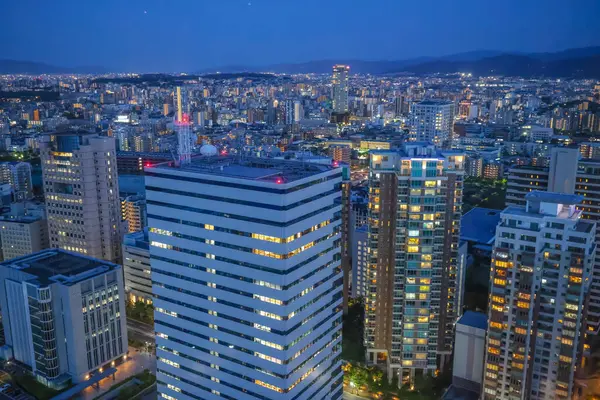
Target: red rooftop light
point(278, 180)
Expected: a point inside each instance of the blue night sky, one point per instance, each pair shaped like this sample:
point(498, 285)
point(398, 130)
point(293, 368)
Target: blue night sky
point(186, 35)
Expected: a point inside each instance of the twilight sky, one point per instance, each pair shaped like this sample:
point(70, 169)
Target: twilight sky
point(187, 35)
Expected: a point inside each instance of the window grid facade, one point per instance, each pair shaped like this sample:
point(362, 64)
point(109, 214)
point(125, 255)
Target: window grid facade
point(245, 309)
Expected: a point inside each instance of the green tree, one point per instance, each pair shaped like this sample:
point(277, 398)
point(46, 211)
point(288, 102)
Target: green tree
point(358, 376)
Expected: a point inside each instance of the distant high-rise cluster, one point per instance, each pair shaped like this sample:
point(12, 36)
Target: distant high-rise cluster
point(254, 212)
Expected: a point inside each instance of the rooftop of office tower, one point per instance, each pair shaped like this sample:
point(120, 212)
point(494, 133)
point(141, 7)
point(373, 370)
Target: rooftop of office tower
point(419, 150)
point(255, 169)
point(549, 204)
point(60, 266)
point(433, 102)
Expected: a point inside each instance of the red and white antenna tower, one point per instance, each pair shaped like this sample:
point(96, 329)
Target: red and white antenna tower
point(184, 132)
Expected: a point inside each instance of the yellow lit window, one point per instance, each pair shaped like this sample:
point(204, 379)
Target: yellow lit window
point(496, 325)
point(522, 304)
point(498, 299)
point(428, 217)
point(413, 249)
point(266, 253)
point(415, 208)
point(492, 367)
point(494, 351)
point(268, 386)
point(494, 342)
point(413, 240)
point(499, 282)
point(520, 331)
point(524, 296)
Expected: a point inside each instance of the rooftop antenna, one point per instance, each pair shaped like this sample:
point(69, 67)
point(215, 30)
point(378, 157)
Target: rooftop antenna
point(241, 138)
point(184, 132)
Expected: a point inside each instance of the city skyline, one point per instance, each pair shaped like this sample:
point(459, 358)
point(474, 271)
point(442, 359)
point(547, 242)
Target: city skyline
point(428, 232)
point(191, 36)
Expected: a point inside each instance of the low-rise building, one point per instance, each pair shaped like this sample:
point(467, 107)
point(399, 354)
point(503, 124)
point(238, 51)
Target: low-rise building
point(77, 302)
point(133, 210)
point(469, 355)
point(22, 235)
point(136, 264)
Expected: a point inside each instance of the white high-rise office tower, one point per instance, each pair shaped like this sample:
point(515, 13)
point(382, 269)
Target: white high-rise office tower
point(82, 194)
point(540, 277)
point(339, 88)
point(247, 281)
point(413, 276)
point(432, 121)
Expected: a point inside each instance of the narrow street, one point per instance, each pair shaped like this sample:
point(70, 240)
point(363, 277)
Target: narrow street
point(136, 364)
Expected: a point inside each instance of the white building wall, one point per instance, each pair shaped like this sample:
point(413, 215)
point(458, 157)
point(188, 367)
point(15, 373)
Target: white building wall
point(220, 300)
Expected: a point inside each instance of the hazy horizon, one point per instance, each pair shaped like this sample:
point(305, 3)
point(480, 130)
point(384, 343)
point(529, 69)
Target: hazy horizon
point(192, 35)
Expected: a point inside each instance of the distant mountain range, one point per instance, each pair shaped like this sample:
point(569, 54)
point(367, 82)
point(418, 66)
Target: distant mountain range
point(580, 63)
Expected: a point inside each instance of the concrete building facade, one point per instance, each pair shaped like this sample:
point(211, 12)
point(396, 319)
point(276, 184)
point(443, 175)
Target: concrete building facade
point(82, 194)
point(22, 235)
point(136, 265)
